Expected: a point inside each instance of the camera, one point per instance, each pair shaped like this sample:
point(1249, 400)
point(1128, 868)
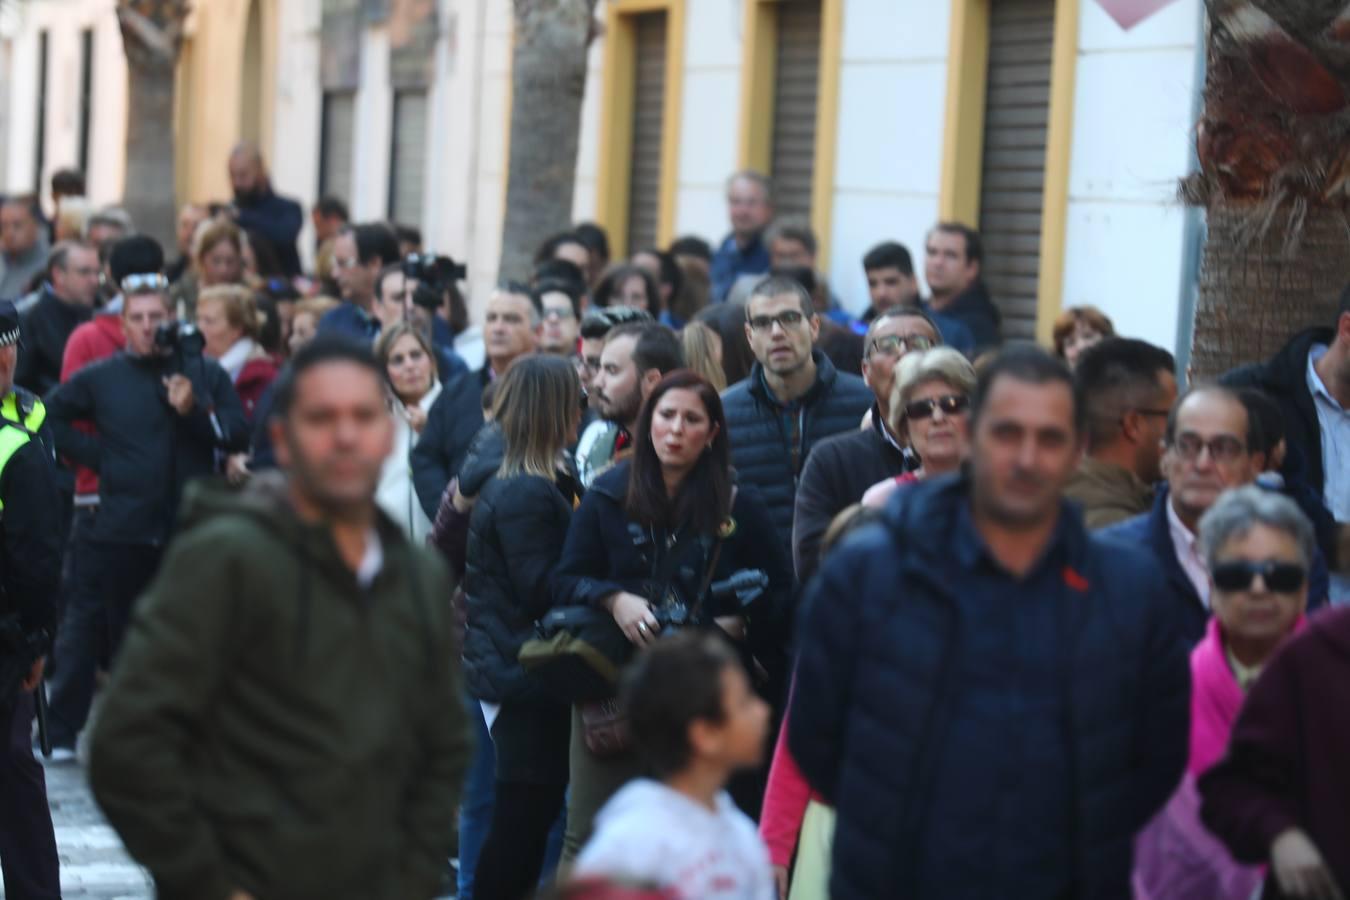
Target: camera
point(184, 342)
point(434, 276)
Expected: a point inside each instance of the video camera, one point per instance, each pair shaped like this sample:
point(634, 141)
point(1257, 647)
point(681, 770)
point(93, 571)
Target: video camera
point(434, 276)
point(182, 341)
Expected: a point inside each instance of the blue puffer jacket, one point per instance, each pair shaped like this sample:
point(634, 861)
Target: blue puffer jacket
point(759, 442)
point(874, 687)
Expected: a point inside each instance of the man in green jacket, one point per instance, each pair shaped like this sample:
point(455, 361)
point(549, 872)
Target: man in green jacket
point(285, 719)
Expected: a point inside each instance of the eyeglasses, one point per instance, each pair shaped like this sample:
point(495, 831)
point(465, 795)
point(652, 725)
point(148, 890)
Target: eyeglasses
point(1240, 574)
point(950, 404)
point(1222, 449)
point(560, 313)
point(896, 345)
point(150, 282)
point(787, 319)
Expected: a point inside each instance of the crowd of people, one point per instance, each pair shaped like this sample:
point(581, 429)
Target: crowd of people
point(666, 578)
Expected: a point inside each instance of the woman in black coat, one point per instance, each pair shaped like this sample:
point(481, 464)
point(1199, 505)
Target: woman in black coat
point(643, 543)
point(516, 534)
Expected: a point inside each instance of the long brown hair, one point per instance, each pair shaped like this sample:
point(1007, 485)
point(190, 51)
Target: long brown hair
point(536, 405)
point(704, 499)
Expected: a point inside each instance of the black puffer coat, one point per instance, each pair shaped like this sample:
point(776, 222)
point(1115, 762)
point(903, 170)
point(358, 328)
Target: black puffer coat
point(516, 536)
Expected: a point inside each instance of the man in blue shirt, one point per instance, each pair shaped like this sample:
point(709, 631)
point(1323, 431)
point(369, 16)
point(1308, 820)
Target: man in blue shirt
point(750, 203)
point(993, 699)
point(891, 285)
point(360, 253)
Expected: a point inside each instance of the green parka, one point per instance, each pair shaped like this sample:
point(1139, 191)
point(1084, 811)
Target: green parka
point(271, 726)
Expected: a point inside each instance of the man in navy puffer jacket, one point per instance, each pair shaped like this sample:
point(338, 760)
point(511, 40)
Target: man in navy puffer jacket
point(792, 400)
point(993, 699)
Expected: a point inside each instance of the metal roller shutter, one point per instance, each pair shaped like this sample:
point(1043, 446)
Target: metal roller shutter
point(796, 85)
point(649, 101)
point(335, 153)
point(1017, 112)
point(408, 160)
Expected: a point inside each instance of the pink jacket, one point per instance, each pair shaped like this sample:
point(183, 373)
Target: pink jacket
point(785, 800)
point(1175, 857)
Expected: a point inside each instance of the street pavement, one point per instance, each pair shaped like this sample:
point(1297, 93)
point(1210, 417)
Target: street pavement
point(94, 866)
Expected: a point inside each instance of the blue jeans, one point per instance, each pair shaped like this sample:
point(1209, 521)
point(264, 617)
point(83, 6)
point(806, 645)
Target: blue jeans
point(475, 808)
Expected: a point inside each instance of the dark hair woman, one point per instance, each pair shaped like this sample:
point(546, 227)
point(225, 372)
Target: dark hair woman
point(649, 536)
point(516, 535)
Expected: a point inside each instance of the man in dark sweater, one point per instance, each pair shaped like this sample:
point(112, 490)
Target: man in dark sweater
point(262, 212)
point(64, 303)
point(953, 262)
point(792, 400)
point(843, 467)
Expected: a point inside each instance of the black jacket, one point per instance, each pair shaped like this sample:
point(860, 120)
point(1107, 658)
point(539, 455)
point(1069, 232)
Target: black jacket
point(1285, 378)
point(516, 536)
point(454, 419)
point(876, 678)
point(974, 308)
point(45, 329)
point(760, 447)
point(31, 535)
point(144, 452)
point(606, 552)
point(839, 472)
point(278, 219)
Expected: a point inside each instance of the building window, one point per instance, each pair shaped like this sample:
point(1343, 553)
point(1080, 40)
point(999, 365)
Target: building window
point(1012, 175)
point(40, 131)
point(408, 157)
point(335, 148)
point(649, 95)
point(86, 94)
point(795, 89)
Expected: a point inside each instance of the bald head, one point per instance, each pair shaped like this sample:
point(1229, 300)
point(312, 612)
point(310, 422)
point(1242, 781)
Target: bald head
point(248, 175)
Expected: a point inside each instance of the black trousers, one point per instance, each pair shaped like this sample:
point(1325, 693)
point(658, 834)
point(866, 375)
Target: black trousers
point(107, 580)
point(513, 854)
point(27, 842)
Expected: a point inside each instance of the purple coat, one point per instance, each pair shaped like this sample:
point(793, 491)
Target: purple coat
point(1286, 764)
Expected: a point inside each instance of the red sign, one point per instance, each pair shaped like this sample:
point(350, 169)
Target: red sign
point(1129, 13)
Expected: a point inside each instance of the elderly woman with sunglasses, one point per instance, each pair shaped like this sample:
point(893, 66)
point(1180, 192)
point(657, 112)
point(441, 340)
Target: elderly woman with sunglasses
point(929, 406)
point(1258, 547)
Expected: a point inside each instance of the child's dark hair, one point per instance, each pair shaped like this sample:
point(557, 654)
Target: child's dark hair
point(668, 687)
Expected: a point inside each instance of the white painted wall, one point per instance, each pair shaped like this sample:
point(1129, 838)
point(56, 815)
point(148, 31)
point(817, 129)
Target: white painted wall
point(293, 157)
point(1132, 136)
point(888, 158)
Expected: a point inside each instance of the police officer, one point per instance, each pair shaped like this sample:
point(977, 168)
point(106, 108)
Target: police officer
point(30, 572)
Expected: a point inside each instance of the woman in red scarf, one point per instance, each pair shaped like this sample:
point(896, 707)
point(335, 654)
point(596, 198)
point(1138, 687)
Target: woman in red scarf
point(1257, 546)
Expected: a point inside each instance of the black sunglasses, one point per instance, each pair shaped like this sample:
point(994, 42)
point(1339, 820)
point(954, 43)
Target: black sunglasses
point(1279, 577)
point(950, 404)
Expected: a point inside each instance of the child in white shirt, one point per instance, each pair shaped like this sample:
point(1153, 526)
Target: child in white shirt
point(696, 721)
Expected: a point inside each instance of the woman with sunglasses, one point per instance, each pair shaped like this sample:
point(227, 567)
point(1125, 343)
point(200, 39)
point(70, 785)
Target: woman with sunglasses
point(1257, 546)
point(929, 406)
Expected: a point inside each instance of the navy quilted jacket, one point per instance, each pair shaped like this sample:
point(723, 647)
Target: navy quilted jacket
point(759, 443)
point(874, 680)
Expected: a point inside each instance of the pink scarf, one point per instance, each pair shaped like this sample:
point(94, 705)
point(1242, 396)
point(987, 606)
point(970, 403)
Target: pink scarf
point(1216, 699)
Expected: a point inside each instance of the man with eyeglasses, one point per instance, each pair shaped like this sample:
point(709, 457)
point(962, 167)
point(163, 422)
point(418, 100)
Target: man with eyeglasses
point(159, 428)
point(792, 400)
point(1129, 388)
point(561, 301)
point(1209, 446)
point(993, 699)
point(360, 253)
point(65, 302)
point(842, 468)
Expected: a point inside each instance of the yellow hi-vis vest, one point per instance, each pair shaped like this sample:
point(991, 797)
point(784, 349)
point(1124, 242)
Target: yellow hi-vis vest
point(17, 429)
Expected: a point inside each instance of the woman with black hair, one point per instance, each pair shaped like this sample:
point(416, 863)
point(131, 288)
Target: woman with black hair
point(649, 538)
point(628, 285)
point(516, 534)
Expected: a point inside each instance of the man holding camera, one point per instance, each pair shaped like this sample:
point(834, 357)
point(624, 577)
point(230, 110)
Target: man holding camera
point(30, 572)
point(165, 415)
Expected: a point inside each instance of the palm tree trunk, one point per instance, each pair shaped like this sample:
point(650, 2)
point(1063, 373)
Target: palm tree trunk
point(151, 38)
point(548, 80)
point(1274, 151)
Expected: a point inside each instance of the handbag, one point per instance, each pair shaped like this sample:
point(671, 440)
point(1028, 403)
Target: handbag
point(604, 723)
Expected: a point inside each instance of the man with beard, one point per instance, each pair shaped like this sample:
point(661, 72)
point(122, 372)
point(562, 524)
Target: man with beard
point(258, 210)
point(286, 719)
point(635, 358)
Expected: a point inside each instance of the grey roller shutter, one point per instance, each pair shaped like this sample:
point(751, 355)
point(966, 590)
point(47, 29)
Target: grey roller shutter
point(796, 85)
point(1017, 113)
point(335, 151)
point(649, 102)
point(408, 161)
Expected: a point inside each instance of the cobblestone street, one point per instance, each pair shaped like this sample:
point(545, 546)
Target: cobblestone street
point(93, 864)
